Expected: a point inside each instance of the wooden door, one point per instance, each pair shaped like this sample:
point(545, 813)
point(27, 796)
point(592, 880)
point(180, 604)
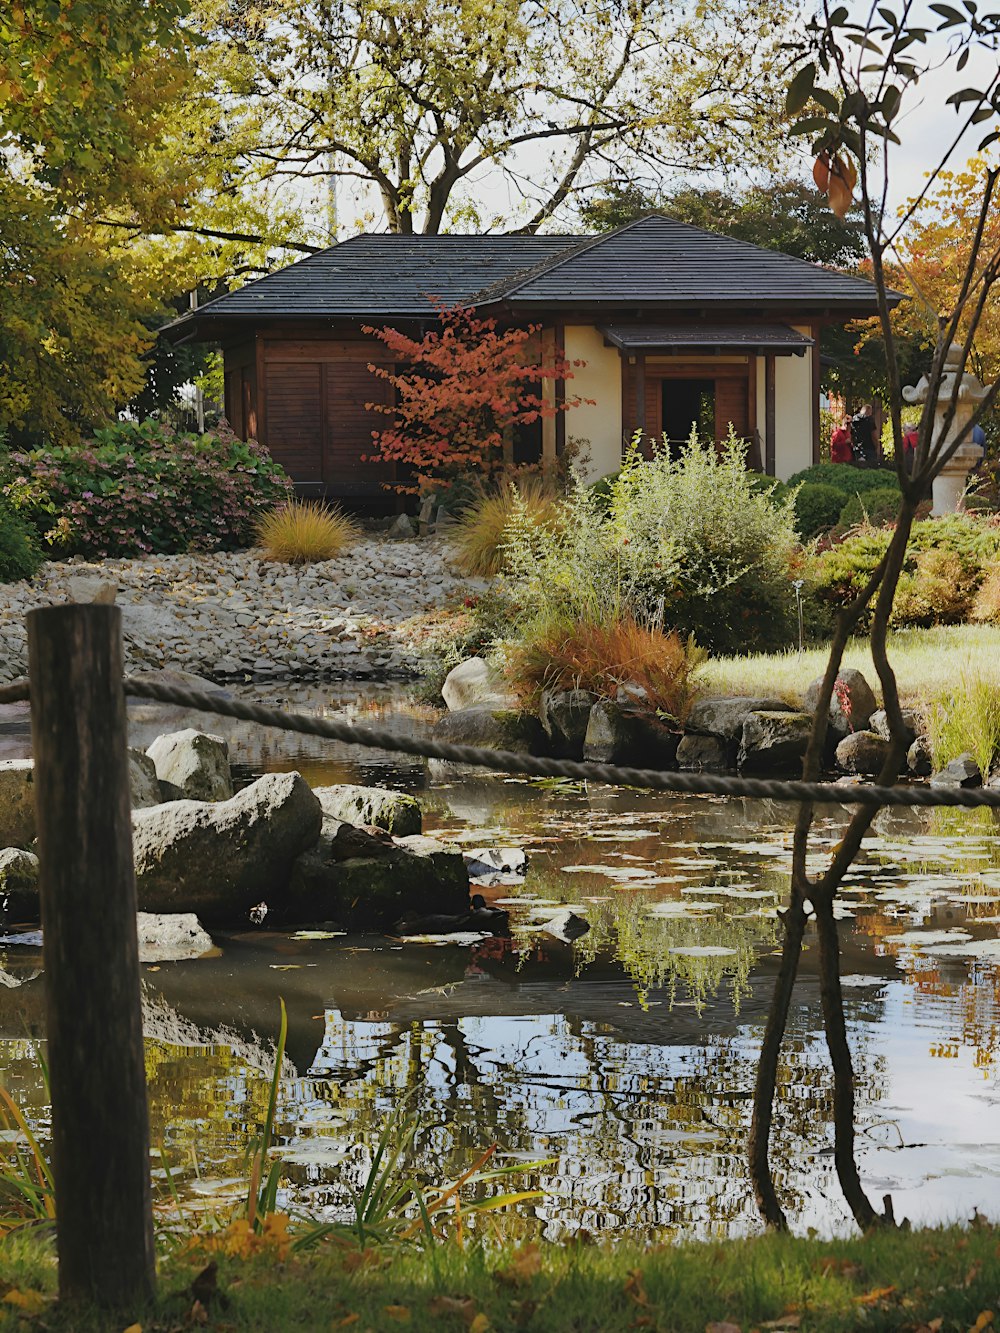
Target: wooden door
point(732, 404)
point(295, 419)
point(349, 467)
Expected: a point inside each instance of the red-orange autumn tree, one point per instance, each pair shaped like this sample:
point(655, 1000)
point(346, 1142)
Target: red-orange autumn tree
point(465, 388)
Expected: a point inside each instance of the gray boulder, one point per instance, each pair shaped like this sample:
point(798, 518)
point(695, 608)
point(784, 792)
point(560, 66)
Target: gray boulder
point(171, 937)
point(725, 717)
point(914, 723)
point(17, 802)
point(192, 766)
point(416, 876)
point(491, 729)
point(394, 811)
point(475, 684)
point(19, 884)
point(701, 752)
point(630, 736)
point(919, 762)
point(144, 786)
point(219, 859)
point(774, 743)
point(402, 526)
point(852, 704)
point(564, 715)
point(862, 752)
point(961, 772)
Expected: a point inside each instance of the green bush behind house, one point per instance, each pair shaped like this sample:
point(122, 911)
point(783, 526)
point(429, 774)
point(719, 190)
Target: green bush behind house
point(850, 480)
point(817, 508)
point(137, 489)
point(687, 543)
point(878, 505)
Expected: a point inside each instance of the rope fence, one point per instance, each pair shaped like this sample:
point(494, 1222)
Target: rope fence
point(508, 761)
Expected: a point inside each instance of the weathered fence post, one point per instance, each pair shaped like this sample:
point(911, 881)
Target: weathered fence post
point(100, 1123)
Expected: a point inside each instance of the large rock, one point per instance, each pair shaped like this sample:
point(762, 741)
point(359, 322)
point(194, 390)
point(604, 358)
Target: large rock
point(144, 786)
point(416, 876)
point(491, 729)
point(627, 736)
point(852, 704)
point(171, 937)
point(724, 717)
point(702, 752)
point(220, 859)
point(862, 752)
point(19, 884)
point(961, 772)
point(192, 766)
point(913, 722)
point(475, 684)
point(774, 743)
point(919, 761)
point(564, 715)
point(17, 802)
point(393, 811)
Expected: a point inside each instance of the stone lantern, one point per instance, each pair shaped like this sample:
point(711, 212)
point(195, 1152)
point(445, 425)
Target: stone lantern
point(949, 485)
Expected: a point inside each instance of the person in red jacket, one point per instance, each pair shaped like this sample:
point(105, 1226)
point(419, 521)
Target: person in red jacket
point(840, 443)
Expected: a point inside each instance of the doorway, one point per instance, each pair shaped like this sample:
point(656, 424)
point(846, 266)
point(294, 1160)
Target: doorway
point(688, 404)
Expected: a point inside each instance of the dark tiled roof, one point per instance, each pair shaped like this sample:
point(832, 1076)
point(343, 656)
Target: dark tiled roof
point(657, 261)
point(387, 275)
point(777, 338)
point(653, 262)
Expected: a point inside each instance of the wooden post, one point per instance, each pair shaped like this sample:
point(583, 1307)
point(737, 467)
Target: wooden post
point(769, 414)
point(100, 1122)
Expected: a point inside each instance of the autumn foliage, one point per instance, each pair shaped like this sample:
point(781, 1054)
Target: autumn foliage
point(463, 390)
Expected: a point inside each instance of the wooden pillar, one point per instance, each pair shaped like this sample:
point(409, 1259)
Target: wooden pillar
point(813, 352)
point(560, 350)
point(769, 414)
point(640, 392)
point(549, 395)
point(100, 1127)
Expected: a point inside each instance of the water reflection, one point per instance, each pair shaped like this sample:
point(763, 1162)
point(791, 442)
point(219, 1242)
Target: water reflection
point(628, 1057)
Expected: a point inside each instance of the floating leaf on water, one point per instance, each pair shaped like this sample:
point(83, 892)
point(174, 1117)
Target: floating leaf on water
point(460, 937)
point(703, 951)
point(615, 872)
point(923, 938)
point(317, 934)
point(674, 911)
point(729, 891)
point(316, 1152)
point(982, 950)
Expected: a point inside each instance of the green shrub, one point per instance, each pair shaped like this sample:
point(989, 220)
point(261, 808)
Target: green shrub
point(19, 553)
point(137, 488)
point(481, 532)
point(686, 543)
point(817, 508)
point(847, 479)
point(877, 506)
point(933, 589)
point(770, 486)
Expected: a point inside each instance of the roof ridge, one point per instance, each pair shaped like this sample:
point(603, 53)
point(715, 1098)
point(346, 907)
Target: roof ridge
point(550, 265)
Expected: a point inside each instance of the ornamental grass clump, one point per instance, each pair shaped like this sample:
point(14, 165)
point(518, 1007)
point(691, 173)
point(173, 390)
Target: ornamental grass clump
point(303, 532)
point(966, 720)
point(481, 534)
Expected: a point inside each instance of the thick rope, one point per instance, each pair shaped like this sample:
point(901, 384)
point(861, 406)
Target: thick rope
point(506, 761)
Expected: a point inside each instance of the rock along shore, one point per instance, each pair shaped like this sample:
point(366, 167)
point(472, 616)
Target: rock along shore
point(233, 615)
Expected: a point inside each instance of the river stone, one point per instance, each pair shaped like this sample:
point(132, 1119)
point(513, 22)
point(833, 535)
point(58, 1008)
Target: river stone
point(961, 772)
point(918, 758)
point(220, 858)
point(491, 729)
point(171, 937)
point(475, 684)
point(852, 704)
point(144, 787)
point(393, 811)
point(913, 722)
point(402, 526)
point(700, 752)
point(862, 752)
point(774, 743)
point(19, 884)
point(725, 717)
point(192, 766)
point(631, 736)
point(17, 802)
point(417, 876)
point(564, 715)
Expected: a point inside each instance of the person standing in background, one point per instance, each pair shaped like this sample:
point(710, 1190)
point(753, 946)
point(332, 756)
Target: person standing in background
point(840, 442)
point(863, 437)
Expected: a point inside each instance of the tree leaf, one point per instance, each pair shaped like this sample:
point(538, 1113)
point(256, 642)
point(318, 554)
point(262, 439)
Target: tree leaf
point(800, 88)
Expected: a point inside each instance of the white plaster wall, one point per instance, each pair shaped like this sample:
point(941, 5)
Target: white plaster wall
point(793, 411)
point(597, 427)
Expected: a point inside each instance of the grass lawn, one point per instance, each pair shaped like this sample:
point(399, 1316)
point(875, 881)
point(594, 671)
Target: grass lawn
point(929, 1280)
point(928, 662)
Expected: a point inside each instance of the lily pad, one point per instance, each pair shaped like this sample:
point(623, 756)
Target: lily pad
point(704, 951)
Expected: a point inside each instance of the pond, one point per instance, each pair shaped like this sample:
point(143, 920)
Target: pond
point(623, 1060)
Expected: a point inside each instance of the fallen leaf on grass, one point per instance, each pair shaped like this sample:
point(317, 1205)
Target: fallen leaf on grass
point(984, 1321)
point(524, 1265)
point(634, 1289)
point(463, 1306)
point(28, 1302)
point(348, 1319)
point(133, 1328)
point(873, 1297)
point(723, 1326)
point(785, 1323)
point(401, 1313)
point(480, 1324)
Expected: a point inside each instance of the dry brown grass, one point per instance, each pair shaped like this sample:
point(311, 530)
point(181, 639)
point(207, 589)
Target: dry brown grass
point(480, 532)
point(602, 657)
point(302, 532)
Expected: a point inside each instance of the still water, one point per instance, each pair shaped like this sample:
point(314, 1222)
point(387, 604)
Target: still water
point(625, 1058)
